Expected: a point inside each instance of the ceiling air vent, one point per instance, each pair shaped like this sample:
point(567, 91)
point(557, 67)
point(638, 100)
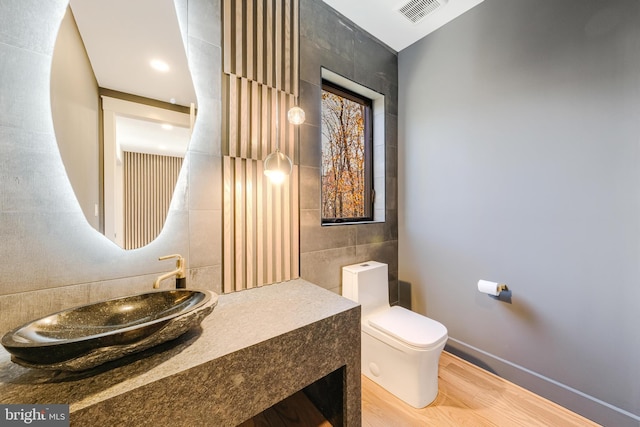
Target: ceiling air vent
point(416, 10)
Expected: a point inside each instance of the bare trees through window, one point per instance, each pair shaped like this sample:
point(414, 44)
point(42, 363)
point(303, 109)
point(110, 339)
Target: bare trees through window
point(346, 155)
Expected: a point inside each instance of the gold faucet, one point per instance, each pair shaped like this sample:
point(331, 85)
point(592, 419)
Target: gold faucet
point(178, 272)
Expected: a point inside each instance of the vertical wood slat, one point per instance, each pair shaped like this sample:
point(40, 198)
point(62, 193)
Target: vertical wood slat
point(250, 28)
point(277, 233)
point(265, 111)
point(268, 207)
point(255, 121)
point(239, 38)
point(250, 220)
point(295, 221)
point(286, 33)
point(260, 41)
point(295, 54)
point(260, 228)
point(228, 224)
point(232, 116)
point(227, 39)
point(244, 122)
point(277, 51)
point(149, 181)
point(240, 225)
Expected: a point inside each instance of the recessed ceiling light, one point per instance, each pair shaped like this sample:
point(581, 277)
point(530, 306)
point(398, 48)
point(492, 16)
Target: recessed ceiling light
point(167, 126)
point(159, 65)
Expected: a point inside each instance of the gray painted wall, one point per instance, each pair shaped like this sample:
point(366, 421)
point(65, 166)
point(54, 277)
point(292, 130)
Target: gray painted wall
point(328, 39)
point(519, 162)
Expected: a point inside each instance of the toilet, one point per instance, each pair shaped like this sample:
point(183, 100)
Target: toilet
point(400, 349)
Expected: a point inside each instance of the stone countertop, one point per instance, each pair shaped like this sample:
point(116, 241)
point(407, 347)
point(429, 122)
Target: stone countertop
point(240, 320)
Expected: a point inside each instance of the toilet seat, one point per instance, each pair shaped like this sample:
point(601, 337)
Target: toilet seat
point(408, 327)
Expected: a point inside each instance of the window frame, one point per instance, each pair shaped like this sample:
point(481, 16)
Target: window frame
point(369, 190)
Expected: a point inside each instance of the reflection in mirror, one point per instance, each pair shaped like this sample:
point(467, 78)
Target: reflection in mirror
point(123, 107)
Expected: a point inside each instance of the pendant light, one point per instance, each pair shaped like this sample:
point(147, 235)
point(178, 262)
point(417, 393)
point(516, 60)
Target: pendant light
point(296, 115)
point(277, 165)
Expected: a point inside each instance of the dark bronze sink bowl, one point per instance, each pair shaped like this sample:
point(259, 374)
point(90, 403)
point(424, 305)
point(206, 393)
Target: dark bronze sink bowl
point(90, 335)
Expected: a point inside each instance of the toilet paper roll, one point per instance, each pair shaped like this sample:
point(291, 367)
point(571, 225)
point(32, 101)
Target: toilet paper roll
point(491, 288)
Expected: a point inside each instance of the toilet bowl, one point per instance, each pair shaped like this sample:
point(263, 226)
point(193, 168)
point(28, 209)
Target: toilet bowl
point(400, 349)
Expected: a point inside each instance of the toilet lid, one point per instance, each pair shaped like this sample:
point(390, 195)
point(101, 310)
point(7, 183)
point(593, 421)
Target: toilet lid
point(409, 327)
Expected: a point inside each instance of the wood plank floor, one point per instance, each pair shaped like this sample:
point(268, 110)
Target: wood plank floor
point(467, 396)
point(294, 411)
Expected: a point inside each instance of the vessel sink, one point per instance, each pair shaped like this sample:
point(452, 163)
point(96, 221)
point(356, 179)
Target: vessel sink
point(87, 336)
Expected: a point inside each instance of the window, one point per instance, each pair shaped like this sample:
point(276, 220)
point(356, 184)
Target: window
point(347, 155)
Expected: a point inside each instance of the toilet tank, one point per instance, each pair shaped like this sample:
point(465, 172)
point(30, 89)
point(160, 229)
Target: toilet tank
point(368, 284)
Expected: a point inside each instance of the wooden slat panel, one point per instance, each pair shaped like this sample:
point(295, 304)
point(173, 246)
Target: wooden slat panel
point(263, 247)
point(260, 83)
point(250, 124)
point(261, 41)
point(149, 181)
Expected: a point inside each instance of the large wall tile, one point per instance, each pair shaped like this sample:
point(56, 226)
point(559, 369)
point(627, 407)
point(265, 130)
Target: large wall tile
point(315, 237)
point(324, 268)
point(201, 14)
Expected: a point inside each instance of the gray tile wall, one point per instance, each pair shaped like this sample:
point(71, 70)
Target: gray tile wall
point(328, 39)
point(50, 257)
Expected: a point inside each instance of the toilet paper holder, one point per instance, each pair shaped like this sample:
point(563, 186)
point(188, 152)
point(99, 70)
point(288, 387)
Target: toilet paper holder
point(491, 288)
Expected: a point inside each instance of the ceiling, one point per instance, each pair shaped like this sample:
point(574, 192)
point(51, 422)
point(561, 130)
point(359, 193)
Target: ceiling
point(147, 136)
point(121, 37)
point(382, 19)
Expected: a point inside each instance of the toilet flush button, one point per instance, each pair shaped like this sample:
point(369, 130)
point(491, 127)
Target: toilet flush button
point(375, 370)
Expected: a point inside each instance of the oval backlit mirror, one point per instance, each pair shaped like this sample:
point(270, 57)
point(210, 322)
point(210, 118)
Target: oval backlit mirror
point(123, 107)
